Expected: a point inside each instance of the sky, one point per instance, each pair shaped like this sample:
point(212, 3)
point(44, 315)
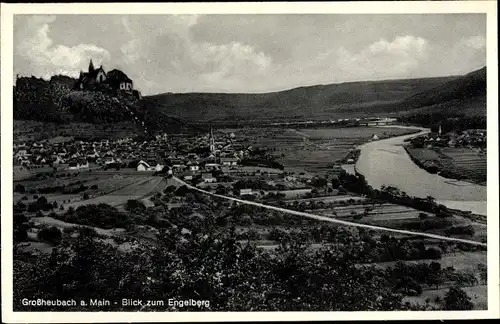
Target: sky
point(250, 53)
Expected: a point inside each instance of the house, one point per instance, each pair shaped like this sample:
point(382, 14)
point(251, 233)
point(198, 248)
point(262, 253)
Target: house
point(143, 166)
point(375, 137)
point(245, 192)
point(91, 79)
point(194, 167)
point(78, 164)
point(114, 80)
point(212, 166)
point(188, 176)
point(58, 160)
point(208, 178)
point(158, 167)
point(110, 160)
point(229, 161)
point(120, 81)
point(83, 163)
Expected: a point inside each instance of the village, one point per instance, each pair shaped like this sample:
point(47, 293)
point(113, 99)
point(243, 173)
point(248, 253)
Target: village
point(204, 159)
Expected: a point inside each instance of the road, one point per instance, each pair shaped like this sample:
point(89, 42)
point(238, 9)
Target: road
point(332, 220)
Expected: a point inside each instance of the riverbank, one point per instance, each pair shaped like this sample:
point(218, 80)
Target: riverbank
point(386, 163)
point(436, 162)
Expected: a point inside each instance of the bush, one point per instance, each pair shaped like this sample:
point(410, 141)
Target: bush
point(19, 188)
point(50, 235)
point(132, 205)
point(460, 230)
point(69, 229)
point(102, 216)
point(457, 299)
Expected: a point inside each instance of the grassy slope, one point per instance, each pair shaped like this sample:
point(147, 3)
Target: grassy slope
point(319, 101)
point(466, 94)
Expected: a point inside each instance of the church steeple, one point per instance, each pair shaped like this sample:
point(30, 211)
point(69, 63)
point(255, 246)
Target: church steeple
point(91, 66)
point(212, 141)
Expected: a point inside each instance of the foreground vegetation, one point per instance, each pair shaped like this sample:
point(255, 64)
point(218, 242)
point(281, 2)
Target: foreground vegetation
point(198, 253)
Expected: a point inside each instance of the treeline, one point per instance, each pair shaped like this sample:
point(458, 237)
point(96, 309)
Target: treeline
point(357, 183)
point(71, 188)
point(448, 121)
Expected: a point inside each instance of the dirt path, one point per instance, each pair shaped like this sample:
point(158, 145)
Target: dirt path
point(331, 220)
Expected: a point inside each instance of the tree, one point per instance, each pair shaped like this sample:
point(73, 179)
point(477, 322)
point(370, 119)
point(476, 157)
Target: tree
point(50, 235)
point(457, 299)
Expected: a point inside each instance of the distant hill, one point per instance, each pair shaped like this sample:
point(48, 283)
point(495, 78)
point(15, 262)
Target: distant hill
point(55, 101)
point(466, 94)
point(320, 101)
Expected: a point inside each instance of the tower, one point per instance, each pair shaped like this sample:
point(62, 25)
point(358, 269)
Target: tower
point(439, 130)
point(91, 66)
point(212, 141)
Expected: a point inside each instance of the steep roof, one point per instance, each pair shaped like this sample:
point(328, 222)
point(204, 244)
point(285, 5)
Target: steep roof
point(117, 75)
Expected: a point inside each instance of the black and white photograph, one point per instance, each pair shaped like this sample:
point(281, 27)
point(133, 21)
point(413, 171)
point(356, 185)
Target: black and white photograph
point(261, 161)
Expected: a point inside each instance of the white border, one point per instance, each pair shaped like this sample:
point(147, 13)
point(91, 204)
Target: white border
point(7, 12)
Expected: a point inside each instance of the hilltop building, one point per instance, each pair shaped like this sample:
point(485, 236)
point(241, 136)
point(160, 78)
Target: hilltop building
point(115, 80)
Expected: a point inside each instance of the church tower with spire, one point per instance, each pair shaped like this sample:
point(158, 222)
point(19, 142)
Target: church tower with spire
point(212, 141)
point(91, 67)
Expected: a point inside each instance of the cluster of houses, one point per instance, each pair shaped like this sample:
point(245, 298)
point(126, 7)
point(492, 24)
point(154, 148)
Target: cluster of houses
point(186, 157)
point(467, 138)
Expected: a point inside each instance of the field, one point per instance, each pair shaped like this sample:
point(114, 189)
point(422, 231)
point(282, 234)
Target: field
point(101, 188)
point(455, 163)
point(314, 150)
point(468, 161)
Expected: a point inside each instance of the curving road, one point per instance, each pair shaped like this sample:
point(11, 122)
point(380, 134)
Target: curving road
point(332, 220)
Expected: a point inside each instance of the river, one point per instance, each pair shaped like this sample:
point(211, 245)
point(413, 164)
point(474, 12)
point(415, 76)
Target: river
point(385, 162)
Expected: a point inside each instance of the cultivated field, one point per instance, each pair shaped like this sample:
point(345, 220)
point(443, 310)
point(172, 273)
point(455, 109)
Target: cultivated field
point(455, 163)
point(317, 149)
point(467, 161)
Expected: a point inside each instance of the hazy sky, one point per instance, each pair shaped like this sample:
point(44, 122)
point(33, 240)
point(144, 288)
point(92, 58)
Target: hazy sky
point(250, 53)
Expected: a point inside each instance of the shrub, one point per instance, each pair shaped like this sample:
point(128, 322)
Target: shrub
point(102, 215)
point(465, 230)
point(69, 229)
point(133, 204)
point(50, 235)
point(457, 299)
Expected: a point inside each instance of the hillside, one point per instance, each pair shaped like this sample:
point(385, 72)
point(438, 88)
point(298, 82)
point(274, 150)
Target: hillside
point(466, 94)
point(320, 101)
point(54, 102)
